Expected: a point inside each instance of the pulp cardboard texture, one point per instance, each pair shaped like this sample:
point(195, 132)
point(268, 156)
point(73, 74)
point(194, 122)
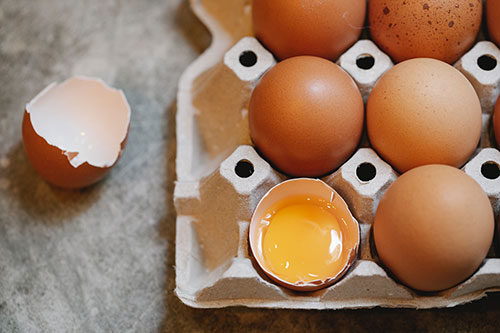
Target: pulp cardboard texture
point(221, 178)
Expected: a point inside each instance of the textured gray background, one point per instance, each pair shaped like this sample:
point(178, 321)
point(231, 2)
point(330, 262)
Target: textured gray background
point(101, 259)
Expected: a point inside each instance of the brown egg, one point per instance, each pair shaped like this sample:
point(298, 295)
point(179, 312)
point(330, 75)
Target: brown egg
point(433, 227)
point(75, 132)
point(306, 116)
point(496, 122)
point(440, 29)
point(319, 28)
point(493, 19)
point(423, 111)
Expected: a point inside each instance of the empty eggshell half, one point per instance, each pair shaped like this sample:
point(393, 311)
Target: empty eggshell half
point(312, 188)
point(74, 132)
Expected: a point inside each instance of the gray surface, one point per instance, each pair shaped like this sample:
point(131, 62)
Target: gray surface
point(101, 259)
point(91, 260)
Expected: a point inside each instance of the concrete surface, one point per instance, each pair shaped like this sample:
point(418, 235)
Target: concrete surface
point(101, 259)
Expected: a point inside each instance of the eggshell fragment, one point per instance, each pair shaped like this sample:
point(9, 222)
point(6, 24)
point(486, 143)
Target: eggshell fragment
point(74, 132)
point(433, 227)
point(437, 29)
point(304, 187)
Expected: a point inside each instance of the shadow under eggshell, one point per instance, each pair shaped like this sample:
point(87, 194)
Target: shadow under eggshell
point(443, 30)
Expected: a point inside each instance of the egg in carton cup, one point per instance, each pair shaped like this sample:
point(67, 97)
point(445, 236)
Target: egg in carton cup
point(221, 178)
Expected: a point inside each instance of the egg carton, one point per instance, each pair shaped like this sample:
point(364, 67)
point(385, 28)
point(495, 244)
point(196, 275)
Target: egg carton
point(221, 178)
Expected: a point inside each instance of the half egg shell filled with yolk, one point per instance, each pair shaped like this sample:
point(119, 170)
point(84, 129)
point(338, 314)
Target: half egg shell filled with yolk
point(75, 132)
point(303, 235)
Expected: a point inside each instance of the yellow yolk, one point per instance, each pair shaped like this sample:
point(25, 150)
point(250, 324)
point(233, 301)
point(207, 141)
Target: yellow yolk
point(303, 240)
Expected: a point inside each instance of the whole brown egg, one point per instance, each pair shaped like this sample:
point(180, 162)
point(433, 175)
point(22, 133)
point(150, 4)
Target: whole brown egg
point(493, 20)
point(324, 28)
point(306, 116)
point(440, 29)
point(423, 111)
point(433, 227)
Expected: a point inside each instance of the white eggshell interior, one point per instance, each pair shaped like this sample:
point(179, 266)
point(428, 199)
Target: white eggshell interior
point(83, 117)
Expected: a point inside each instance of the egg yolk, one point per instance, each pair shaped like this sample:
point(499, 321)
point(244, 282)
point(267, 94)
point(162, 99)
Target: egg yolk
point(303, 240)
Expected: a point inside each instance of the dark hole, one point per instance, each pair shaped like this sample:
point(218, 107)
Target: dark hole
point(486, 62)
point(366, 172)
point(365, 61)
point(244, 169)
point(490, 170)
point(248, 58)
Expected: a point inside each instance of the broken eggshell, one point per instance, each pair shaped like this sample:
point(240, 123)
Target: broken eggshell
point(306, 187)
point(75, 132)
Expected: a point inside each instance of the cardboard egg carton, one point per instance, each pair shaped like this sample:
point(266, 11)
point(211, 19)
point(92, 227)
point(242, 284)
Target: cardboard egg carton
point(221, 178)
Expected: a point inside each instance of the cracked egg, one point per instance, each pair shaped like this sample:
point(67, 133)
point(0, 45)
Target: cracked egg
point(303, 235)
point(75, 132)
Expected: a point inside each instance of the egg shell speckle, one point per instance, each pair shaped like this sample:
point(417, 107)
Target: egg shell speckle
point(439, 29)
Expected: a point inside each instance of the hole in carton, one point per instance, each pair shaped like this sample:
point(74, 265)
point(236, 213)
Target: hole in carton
point(244, 169)
point(366, 172)
point(365, 61)
point(487, 62)
point(248, 58)
point(490, 170)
